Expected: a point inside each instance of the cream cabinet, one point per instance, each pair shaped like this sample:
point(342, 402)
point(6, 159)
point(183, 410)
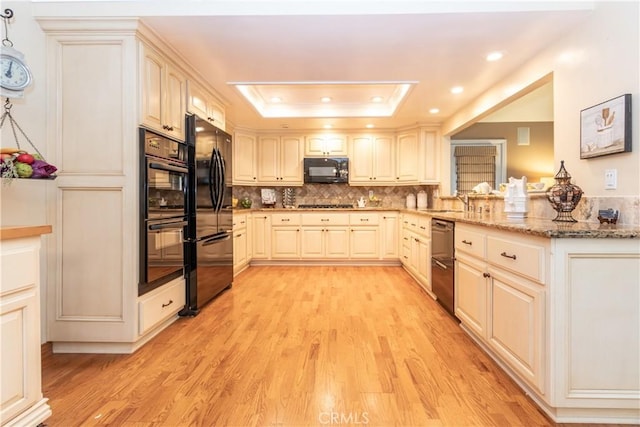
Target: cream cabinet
point(245, 158)
point(325, 236)
point(407, 158)
point(364, 242)
point(279, 160)
point(260, 236)
point(163, 94)
point(389, 235)
point(240, 242)
point(496, 298)
point(324, 145)
point(21, 401)
point(372, 160)
point(285, 236)
point(416, 248)
point(205, 105)
point(429, 153)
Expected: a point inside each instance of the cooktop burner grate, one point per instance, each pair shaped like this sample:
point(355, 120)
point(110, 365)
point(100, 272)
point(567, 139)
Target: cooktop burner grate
point(326, 206)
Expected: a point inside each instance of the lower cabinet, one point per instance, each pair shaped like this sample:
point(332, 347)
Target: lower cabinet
point(502, 308)
point(160, 305)
point(22, 402)
point(260, 236)
point(240, 242)
point(416, 248)
point(325, 242)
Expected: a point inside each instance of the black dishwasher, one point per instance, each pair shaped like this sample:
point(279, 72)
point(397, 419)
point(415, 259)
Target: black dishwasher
point(442, 258)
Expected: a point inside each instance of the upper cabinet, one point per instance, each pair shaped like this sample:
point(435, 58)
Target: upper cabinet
point(279, 160)
point(325, 145)
point(372, 160)
point(245, 159)
point(408, 158)
point(429, 155)
point(205, 105)
point(163, 94)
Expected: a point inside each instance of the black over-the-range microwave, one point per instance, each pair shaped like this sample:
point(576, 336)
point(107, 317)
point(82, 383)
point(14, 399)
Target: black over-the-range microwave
point(326, 170)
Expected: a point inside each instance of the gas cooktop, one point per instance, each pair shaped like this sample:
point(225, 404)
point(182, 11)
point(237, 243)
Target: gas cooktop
point(326, 206)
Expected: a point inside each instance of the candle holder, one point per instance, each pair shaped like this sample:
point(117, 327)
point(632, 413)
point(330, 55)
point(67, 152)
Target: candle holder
point(564, 196)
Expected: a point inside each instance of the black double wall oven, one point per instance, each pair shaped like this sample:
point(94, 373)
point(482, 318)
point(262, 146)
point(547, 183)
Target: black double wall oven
point(163, 210)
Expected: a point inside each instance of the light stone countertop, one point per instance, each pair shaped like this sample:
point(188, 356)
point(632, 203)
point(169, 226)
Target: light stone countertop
point(532, 226)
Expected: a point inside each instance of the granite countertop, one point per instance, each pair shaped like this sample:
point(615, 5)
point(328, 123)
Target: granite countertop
point(19, 232)
point(533, 226)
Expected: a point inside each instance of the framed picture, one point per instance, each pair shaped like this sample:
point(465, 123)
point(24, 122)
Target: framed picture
point(606, 128)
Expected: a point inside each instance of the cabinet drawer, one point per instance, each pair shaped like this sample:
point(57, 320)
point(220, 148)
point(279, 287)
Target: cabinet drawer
point(18, 262)
point(284, 219)
point(410, 222)
point(406, 238)
point(424, 226)
point(239, 221)
point(523, 258)
point(469, 241)
point(325, 219)
point(363, 219)
point(161, 305)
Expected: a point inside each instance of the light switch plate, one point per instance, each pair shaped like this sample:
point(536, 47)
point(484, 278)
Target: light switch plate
point(610, 179)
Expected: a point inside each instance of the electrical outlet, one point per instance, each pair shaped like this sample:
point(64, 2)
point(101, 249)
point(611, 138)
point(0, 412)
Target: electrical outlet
point(610, 179)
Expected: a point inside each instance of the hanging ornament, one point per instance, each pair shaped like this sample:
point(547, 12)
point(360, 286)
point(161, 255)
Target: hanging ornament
point(564, 196)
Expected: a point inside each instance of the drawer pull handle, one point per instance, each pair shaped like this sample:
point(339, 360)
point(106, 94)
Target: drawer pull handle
point(324, 219)
point(504, 254)
point(167, 304)
point(486, 275)
point(284, 219)
point(364, 219)
point(467, 243)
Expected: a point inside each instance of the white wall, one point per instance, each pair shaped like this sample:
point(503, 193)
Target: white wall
point(24, 202)
point(597, 61)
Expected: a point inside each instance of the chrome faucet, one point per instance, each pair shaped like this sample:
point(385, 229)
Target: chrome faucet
point(464, 200)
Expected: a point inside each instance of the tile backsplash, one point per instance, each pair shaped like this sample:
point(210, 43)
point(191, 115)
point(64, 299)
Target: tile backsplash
point(391, 196)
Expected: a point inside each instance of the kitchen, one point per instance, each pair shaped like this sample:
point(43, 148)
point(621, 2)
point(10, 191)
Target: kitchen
point(110, 174)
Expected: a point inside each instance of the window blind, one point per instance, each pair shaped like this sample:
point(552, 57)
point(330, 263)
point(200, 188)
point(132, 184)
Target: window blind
point(475, 164)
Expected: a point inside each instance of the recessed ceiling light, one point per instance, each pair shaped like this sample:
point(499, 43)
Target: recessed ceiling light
point(376, 99)
point(494, 56)
point(370, 126)
point(434, 110)
point(276, 99)
point(457, 89)
point(327, 126)
point(325, 99)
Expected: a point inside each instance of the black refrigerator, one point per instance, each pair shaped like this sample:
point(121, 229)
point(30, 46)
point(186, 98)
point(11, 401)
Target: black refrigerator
point(209, 247)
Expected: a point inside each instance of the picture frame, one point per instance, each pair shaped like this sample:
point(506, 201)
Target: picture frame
point(605, 128)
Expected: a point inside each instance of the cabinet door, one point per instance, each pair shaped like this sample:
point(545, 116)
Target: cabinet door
point(384, 159)
point(312, 242)
point(268, 159)
point(361, 160)
point(336, 242)
point(408, 158)
point(390, 230)
point(285, 242)
point(244, 159)
point(470, 294)
point(197, 100)
point(261, 241)
point(174, 110)
point(239, 249)
point(152, 89)
point(364, 242)
point(516, 324)
point(325, 145)
point(291, 160)
point(20, 339)
point(429, 172)
point(424, 262)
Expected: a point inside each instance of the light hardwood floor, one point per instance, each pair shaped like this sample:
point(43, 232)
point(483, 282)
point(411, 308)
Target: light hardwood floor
point(296, 346)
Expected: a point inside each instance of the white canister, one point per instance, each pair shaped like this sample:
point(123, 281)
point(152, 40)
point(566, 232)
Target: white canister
point(411, 201)
point(422, 200)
